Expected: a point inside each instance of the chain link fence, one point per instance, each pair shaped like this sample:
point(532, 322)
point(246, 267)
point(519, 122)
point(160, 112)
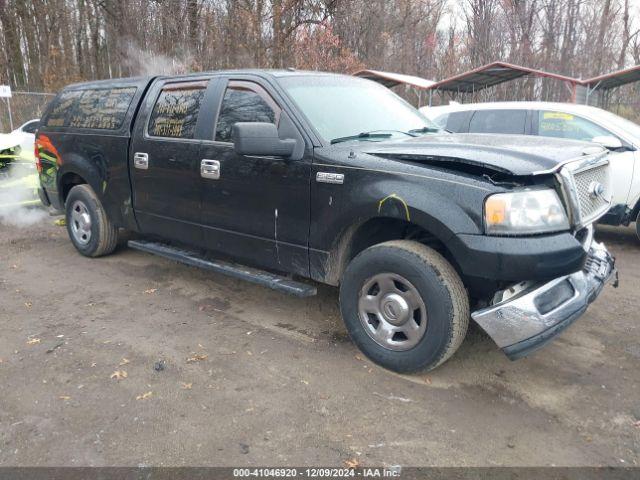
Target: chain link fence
point(21, 107)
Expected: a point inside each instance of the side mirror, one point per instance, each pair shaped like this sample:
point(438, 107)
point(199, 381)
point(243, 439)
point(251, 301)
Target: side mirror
point(608, 141)
point(261, 139)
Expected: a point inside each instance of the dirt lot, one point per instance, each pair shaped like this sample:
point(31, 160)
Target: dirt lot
point(254, 377)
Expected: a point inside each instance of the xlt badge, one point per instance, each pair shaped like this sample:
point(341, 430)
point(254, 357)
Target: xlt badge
point(327, 177)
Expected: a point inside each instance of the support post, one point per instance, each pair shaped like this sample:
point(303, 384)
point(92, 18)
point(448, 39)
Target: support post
point(10, 117)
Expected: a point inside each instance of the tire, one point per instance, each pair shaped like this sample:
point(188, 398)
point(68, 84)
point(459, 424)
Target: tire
point(638, 226)
point(88, 226)
point(412, 268)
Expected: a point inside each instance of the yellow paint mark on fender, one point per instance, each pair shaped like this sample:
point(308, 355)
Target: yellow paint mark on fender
point(395, 197)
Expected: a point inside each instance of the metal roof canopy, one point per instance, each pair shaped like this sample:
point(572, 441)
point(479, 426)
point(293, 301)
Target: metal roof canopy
point(613, 79)
point(390, 80)
point(496, 73)
point(493, 74)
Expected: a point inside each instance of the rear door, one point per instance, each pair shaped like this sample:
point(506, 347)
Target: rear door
point(165, 160)
point(257, 208)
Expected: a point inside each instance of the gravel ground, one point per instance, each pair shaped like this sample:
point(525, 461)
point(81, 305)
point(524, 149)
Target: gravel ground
point(214, 371)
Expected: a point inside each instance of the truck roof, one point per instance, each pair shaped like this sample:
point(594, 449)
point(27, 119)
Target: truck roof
point(255, 71)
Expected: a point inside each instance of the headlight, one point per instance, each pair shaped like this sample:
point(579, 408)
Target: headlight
point(524, 212)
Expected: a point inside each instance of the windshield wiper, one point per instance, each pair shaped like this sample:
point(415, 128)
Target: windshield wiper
point(371, 134)
point(425, 130)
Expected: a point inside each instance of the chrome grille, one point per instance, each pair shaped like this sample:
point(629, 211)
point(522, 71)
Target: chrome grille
point(586, 186)
point(592, 205)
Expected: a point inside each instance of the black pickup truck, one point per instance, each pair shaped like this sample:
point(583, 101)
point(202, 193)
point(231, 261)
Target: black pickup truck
point(273, 176)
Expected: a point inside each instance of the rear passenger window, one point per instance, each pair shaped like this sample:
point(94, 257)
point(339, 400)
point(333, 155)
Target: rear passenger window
point(176, 111)
point(244, 102)
point(61, 108)
point(498, 121)
point(100, 108)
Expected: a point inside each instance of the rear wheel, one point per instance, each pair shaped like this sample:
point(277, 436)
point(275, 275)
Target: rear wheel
point(88, 226)
point(404, 306)
point(638, 225)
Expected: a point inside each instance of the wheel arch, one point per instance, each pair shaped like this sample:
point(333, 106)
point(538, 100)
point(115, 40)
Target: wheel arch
point(77, 170)
point(636, 210)
point(379, 229)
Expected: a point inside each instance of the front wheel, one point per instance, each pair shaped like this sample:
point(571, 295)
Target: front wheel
point(638, 226)
point(88, 226)
point(404, 306)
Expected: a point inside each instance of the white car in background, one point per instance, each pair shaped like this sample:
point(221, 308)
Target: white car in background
point(20, 141)
point(23, 136)
point(18, 173)
point(561, 120)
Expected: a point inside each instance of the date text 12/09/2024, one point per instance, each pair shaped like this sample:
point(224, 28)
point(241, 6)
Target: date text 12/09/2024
point(387, 472)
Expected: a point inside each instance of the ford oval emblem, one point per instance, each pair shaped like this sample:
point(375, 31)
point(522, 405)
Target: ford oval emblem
point(596, 190)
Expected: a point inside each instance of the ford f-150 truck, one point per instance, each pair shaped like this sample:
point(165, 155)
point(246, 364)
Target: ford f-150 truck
point(274, 176)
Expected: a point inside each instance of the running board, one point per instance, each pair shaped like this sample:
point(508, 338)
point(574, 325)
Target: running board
point(267, 279)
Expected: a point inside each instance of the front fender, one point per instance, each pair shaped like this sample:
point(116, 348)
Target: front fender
point(443, 203)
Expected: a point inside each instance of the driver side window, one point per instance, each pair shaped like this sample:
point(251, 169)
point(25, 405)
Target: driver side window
point(566, 125)
point(244, 102)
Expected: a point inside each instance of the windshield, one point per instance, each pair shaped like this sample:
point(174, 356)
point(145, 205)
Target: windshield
point(341, 107)
point(622, 123)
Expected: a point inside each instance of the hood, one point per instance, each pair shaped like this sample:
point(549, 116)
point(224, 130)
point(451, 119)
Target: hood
point(512, 154)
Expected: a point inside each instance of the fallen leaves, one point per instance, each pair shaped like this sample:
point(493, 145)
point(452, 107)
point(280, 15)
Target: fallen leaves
point(64, 397)
point(352, 463)
point(28, 304)
point(124, 361)
point(119, 375)
point(150, 291)
point(637, 424)
point(197, 357)
point(186, 386)
point(144, 396)
point(61, 222)
point(33, 341)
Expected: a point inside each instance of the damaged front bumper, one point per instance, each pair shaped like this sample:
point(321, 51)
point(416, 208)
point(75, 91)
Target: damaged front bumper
point(527, 321)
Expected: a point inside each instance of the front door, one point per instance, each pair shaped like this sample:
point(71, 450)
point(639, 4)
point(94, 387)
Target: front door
point(257, 210)
point(165, 166)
